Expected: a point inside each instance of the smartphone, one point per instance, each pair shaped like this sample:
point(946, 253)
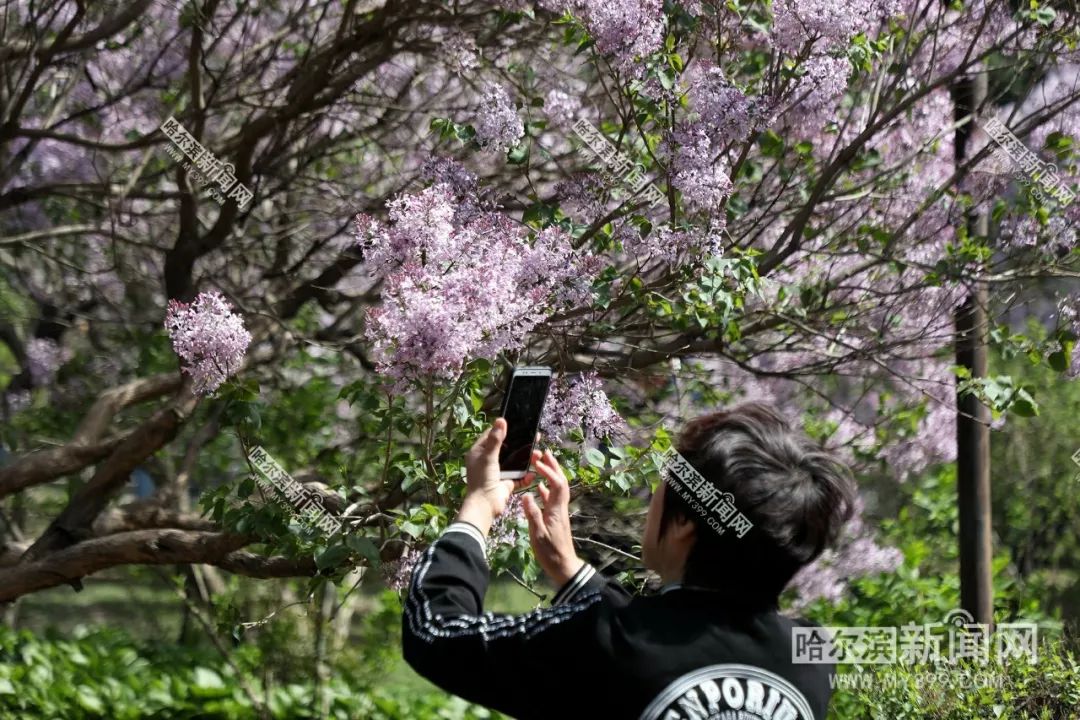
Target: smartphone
point(523, 404)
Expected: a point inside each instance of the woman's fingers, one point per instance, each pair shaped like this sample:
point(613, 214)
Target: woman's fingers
point(545, 493)
point(546, 470)
point(560, 488)
point(550, 460)
point(532, 512)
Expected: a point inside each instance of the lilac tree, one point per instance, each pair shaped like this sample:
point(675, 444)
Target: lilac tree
point(425, 212)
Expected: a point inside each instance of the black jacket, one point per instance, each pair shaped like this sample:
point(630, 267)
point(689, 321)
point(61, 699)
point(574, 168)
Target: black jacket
point(600, 653)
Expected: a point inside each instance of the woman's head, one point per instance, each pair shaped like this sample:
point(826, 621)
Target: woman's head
point(797, 496)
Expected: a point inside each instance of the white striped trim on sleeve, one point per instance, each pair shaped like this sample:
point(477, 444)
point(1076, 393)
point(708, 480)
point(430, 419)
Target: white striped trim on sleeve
point(470, 530)
point(429, 627)
point(574, 585)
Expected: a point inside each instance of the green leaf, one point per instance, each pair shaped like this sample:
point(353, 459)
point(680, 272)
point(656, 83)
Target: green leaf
point(595, 458)
point(207, 683)
point(331, 557)
point(412, 529)
point(89, 701)
point(518, 155)
point(1025, 405)
point(366, 548)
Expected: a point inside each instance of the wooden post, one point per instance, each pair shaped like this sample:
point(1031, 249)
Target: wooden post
point(973, 417)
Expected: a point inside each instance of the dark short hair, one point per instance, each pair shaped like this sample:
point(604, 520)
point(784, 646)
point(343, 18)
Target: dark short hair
point(797, 495)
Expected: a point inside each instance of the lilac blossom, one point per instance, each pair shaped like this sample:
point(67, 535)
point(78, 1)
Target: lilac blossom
point(580, 403)
point(44, 356)
point(584, 196)
point(624, 30)
point(963, 35)
point(669, 244)
point(934, 441)
point(459, 285)
point(698, 174)
point(397, 574)
point(450, 172)
point(17, 401)
point(506, 528)
point(833, 22)
point(825, 80)
point(209, 338)
point(722, 107)
point(1059, 234)
point(499, 127)
point(460, 52)
point(561, 107)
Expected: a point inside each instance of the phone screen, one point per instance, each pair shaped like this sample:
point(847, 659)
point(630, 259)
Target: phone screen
point(522, 407)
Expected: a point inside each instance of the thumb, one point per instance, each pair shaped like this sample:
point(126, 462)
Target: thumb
point(493, 439)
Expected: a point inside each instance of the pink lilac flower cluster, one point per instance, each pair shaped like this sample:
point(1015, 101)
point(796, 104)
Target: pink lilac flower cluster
point(397, 574)
point(961, 35)
point(669, 244)
point(723, 109)
point(498, 127)
point(44, 356)
point(583, 196)
point(448, 171)
point(17, 401)
point(209, 338)
point(933, 442)
point(856, 555)
point(460, 52)
point(825, 80)
point(505, 530)
point(462, 281)
point(697, 172)
point(561, 107)
point(1024, 231)
point(580, 403)
point(832, 22)
point(624, 30)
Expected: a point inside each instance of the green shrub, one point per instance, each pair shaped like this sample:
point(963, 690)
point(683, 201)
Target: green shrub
point(104, 675)
point(1048, 689)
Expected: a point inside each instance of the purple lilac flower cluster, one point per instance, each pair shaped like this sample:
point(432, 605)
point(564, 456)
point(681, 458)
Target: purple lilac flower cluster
point(44, 356)
point(209, 338)
point(624, 30)
point(462, 281)
point(398, 573)
point(580, 403)
point(505, 529)
point(498, 128)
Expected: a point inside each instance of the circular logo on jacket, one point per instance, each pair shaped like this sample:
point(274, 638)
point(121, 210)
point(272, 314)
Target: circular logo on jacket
point(729, 692)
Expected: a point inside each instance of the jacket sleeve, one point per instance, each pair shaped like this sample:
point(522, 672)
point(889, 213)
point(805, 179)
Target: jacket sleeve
point(488, 658)
point(587, 581)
